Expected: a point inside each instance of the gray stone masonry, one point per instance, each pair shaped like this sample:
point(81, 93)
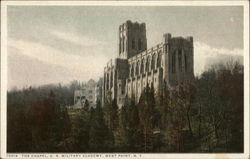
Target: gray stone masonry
point(170, 62)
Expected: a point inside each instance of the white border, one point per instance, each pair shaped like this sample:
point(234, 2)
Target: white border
point(130, 3)
point(4, 5)
point(3, 77)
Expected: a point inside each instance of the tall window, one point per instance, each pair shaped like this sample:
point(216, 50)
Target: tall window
point(147, 64)
point(132, 70)
point(120, 48)
point(111, 84)
point(129, 66)
point(133, 43)
point(142, 66)
point(137, 68)
point(107, 81)
point(173, 63)
point(159, 60)
point(139, 44)
point(105, 76)
point(153, 62)
point(123, 43)
point(180, 60)
point(186, 65)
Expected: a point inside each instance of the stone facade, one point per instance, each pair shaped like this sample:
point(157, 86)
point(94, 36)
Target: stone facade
point(86, 92)
point(170, 62)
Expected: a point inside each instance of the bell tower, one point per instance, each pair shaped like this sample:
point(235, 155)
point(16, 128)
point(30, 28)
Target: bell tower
point(132, 39)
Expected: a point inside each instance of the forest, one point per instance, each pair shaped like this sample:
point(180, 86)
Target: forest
point(204, 116)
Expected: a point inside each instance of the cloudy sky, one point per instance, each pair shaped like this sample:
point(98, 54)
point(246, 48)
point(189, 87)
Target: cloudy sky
point(52, 44)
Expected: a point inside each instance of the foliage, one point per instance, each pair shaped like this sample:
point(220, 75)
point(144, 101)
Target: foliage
point(205, 115)
point(41, 123)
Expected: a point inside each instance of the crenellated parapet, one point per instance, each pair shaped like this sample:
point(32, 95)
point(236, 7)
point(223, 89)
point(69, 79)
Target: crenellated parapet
point(132, 39)
point(170, 62)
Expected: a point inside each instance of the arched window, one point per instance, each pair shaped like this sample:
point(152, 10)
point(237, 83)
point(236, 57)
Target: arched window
point(111, 80)
point(153, 62)
point(173, 63)
point(132, 70)
point(139, 44)
point(142, 66)
point(147, 64)
point(159, 60)
point(180, 60)
point(186, 64)
point(137, 68)
point(123, 43)
point(133, 43)
point(120, 47)
point(104, 80)
point(108, 81)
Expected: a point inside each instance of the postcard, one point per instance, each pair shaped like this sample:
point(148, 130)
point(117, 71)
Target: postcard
point(125, 79)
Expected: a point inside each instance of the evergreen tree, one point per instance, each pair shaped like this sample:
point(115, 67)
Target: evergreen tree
point(80, 132)
point(114, 119)
point(121, 134)
point(146, 115)
point(135, 136)
point(86, 105)
point(66, 127)
point(100, 138)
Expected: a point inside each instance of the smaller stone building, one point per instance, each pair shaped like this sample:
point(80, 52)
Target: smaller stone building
point(86, 92)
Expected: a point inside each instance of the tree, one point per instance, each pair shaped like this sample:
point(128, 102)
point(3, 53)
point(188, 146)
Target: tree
point(18, 124)
point(162, 105)
point(100, 139)
point(86, 105)
point(230, 88)
point(220, 101)
point(121, 134)
point(176, 123)
point(66, 127)
point(128, 135)
point(135, 136)
point(185, 97)
point(114, 119)
point(146, 114)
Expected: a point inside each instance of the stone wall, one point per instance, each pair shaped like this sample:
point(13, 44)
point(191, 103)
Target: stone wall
point(132, 39)
point(86, 92)
point(170, 62)
point(145, 68)
point(180, 61)
point(115, 75)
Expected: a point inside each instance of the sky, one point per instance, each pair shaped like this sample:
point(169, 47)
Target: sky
point(58, 44)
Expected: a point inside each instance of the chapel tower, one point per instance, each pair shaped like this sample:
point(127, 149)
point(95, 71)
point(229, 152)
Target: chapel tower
point(132, 39)
point(169, 64)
